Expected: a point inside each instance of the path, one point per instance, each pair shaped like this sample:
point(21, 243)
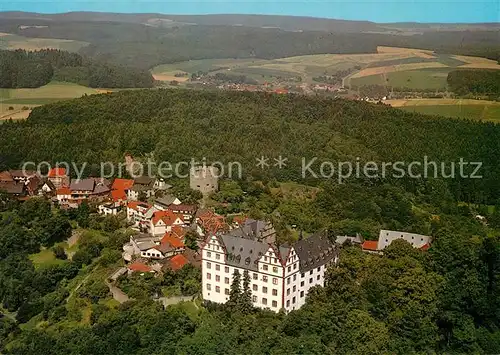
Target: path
point(118, 294)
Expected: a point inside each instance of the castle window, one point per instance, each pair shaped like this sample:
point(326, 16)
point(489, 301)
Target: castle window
point(209, 265)
point(209, 254)
point(226, 280)
point(264, 301)
point(275, 292)
point(265, 267)
point(209, 287)
point(217, 289)
point(264, 289)
point(217, 267)
point(275, 304)
point(226, 269)
point(275, 281)
point(209, 276)
point(275, 269)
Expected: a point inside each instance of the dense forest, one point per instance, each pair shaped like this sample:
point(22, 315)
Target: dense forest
point(478, 82)
point(145, 46)
point(234, 126)
point(23, 69)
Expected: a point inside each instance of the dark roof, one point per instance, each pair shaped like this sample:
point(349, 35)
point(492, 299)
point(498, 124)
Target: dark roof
point(12, 187)
point(242, 252)
point(101, 189)
point(48, 182)
point(21, 173)
point(139, 187)
point(184, 208)
point(165, 200)
point(314, 251)
point(144, 180)
point(82, 185)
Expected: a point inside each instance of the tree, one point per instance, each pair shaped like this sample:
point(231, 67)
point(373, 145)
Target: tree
point(235, 292)
point(246, 304)
point(191, 240)
point(59, 252)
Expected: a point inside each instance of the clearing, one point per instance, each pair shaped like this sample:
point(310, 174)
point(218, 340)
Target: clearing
point(12, 41)
point(17, 103)
point(459, 108)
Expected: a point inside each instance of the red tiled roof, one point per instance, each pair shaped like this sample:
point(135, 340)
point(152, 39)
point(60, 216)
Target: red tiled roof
point(136, 204)
point(57, 172)
point(178, 262)
point(140, 267)
point(212, 222)
point(240, 219)
point(118, 195)
point(168, 217)
point(425, 247)
point(63, 191)
point(370, 245)
point(122, 184)
point(168, 238)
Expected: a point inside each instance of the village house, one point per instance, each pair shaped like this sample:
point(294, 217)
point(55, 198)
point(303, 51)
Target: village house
point(46, 188)
point(142, 185)
point(63, 195)
point(58, 177)
point(186, 211)
point(136, 213)
point(109, 208)
point(163, 203)
point(163, 221)
point(280, 276)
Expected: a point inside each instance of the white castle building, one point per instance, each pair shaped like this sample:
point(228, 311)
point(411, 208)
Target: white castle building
point(280, 276)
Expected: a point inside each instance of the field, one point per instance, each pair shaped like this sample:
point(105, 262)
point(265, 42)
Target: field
point(468, 109)
point(433, 78)
point(401, 67)
point(11, 41)
point(17, 103)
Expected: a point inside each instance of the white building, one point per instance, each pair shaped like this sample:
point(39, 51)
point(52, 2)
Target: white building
point(386, 237)
point(280, 277)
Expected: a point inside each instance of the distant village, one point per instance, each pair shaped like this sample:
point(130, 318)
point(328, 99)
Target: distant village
point(170, 234)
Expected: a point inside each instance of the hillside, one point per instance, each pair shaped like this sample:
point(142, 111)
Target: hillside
point(233, 126)
point(147, 40)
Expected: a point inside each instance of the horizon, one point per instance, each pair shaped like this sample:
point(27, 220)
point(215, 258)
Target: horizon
point(419, 11)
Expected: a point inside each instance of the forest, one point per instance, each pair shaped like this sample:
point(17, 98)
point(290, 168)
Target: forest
point(235, 126)
point(478, 82)
point(25, 69)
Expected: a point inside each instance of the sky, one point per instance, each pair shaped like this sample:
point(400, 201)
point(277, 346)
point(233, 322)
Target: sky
point(447, 11)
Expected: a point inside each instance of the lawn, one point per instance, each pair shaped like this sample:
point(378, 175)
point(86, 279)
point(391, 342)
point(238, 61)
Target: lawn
point(45, 258)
